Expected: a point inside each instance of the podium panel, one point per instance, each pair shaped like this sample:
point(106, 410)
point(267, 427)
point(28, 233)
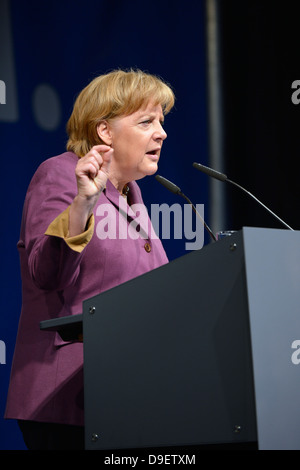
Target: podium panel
point(272, 260)
point(167, 356)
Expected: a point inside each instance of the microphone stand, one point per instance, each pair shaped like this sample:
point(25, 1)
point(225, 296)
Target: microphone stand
point(197, 213)
point(257, 200)
point(222, 177)
point(176, 190)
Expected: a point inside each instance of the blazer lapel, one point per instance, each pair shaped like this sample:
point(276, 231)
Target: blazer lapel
point(142, 220)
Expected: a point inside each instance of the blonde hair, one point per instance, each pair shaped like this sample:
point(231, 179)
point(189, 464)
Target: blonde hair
point(118, 93)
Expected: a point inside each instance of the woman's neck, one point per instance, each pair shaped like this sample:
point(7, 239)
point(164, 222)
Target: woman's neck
point(121, 186)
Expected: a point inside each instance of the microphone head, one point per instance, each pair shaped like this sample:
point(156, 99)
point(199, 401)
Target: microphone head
point(210, 171)
point(168, 184)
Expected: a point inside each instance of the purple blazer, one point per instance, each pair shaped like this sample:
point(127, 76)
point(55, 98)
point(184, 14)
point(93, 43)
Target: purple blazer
point(47, 374)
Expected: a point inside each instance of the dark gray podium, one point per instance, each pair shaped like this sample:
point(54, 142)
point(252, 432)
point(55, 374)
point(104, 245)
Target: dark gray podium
point(199, 351)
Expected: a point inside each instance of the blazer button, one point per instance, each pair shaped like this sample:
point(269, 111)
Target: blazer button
point(147, 247)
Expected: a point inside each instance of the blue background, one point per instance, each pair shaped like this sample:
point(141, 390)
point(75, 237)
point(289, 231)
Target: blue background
point(65, 44)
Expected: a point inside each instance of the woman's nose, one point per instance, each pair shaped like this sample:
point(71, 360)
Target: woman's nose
point(160, 133)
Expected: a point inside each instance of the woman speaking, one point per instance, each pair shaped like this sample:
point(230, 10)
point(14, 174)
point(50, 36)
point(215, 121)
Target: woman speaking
point(67, 253)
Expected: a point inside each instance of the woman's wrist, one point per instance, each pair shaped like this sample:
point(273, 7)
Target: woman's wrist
point(79, 213)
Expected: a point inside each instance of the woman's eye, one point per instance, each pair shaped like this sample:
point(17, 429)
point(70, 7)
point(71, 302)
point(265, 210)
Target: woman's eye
point(150, 121)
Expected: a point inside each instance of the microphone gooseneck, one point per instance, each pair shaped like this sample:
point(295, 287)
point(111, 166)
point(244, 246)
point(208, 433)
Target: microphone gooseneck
point(176, 190)
point(223, 177)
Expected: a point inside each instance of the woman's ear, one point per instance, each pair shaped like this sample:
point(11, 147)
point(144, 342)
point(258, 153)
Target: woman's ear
point(104, 132)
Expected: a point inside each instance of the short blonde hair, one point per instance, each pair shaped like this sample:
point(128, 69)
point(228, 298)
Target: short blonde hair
point(118, 93)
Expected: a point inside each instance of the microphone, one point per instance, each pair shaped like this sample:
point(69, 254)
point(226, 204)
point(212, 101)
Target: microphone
point(223, 177)
point(176, 190)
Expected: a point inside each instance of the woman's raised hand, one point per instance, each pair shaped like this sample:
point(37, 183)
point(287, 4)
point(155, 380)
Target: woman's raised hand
point(92, 172)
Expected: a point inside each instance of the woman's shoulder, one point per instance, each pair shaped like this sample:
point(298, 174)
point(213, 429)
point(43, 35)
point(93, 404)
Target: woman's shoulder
point(56, 165)
point(57, 171)
point(64, 160)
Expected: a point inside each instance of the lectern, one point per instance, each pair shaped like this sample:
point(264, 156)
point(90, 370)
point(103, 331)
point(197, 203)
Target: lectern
point(200, 351)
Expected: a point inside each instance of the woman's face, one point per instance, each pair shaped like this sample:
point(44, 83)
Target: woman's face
point(137, 140)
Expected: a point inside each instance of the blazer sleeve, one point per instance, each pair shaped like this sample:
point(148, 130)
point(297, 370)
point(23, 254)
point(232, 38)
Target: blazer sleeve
point(53, 263)
point(60, 228)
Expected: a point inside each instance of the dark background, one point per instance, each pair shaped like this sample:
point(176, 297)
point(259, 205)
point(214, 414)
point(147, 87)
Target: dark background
point(260, 61)
point(67, 43)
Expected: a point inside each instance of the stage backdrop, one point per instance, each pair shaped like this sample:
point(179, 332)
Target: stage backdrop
point(49, 52)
